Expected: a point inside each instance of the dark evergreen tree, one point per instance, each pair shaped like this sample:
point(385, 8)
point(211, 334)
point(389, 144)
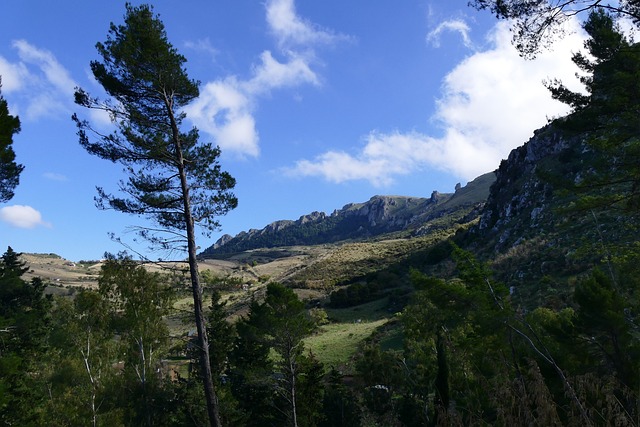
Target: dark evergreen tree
point(340, 405)
point(251, 374)
point(9, 169)
point(287, 326)
point(24, 320)
point(606, 117)
point(270, 388)
point(174, 179)
point(605, 321)
point(222, 336)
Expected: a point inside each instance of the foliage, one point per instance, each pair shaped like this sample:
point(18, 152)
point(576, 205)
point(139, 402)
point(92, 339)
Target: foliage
point(607, 117)
point(538, 22)
point(139, 300)
point(84, 349)
point(9, 169)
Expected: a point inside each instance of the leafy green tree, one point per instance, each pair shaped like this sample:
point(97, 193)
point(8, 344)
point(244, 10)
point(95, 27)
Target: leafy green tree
point(9, 169)
point(83, 353)
point(139, 300)
point(481, 346)
point(174, 179)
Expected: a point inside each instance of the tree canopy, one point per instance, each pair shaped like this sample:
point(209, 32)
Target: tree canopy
point(148, 85)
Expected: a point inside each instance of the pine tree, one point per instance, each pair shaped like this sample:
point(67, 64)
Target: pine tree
point(9, 169)
point(174, 179)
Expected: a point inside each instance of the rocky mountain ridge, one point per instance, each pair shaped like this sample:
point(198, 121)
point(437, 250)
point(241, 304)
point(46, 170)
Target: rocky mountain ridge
point(379, 215)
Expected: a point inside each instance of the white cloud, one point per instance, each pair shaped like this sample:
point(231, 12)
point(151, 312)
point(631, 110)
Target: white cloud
point(271, 74)
point(491, 103)
point(22, 216)
point(224, 111)
point(455, 25)
point(384, 156)
point(13, 75)
point(292, 30)
point(225, 107)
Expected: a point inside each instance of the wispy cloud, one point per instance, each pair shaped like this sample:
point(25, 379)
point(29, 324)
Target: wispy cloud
point(225, 108)
point(22, 216)
point(54, 72)
point(491, 103)
point(53, 176)
point(203, 45)
point(454, 25)
point(44, 87)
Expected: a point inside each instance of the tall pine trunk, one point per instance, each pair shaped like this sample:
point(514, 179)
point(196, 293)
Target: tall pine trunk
point(196, 287)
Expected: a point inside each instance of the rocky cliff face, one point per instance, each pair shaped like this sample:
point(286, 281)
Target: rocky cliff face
point(530, 229)
point(521, 199)
point(379, 215)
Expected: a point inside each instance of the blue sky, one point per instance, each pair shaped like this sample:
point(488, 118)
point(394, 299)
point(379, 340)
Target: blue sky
point(314, 104)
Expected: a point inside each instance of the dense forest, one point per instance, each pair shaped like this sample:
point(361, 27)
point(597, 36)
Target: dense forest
point(465, 348)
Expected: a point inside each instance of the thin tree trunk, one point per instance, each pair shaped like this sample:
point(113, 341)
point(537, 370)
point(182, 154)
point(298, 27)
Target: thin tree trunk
point(196, 287)
point(85, 358)
point(292, 370)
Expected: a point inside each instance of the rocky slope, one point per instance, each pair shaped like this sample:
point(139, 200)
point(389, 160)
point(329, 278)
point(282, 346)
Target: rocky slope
point(531, 229)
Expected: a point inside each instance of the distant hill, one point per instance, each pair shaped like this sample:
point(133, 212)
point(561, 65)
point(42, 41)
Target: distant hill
point(412, 216)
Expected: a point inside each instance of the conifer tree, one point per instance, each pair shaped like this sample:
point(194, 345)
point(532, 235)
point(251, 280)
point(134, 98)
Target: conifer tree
point(24, 320)
point(9, 169)
point(173, 179)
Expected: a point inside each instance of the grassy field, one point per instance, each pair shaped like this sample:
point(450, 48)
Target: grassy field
point(336, 343)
